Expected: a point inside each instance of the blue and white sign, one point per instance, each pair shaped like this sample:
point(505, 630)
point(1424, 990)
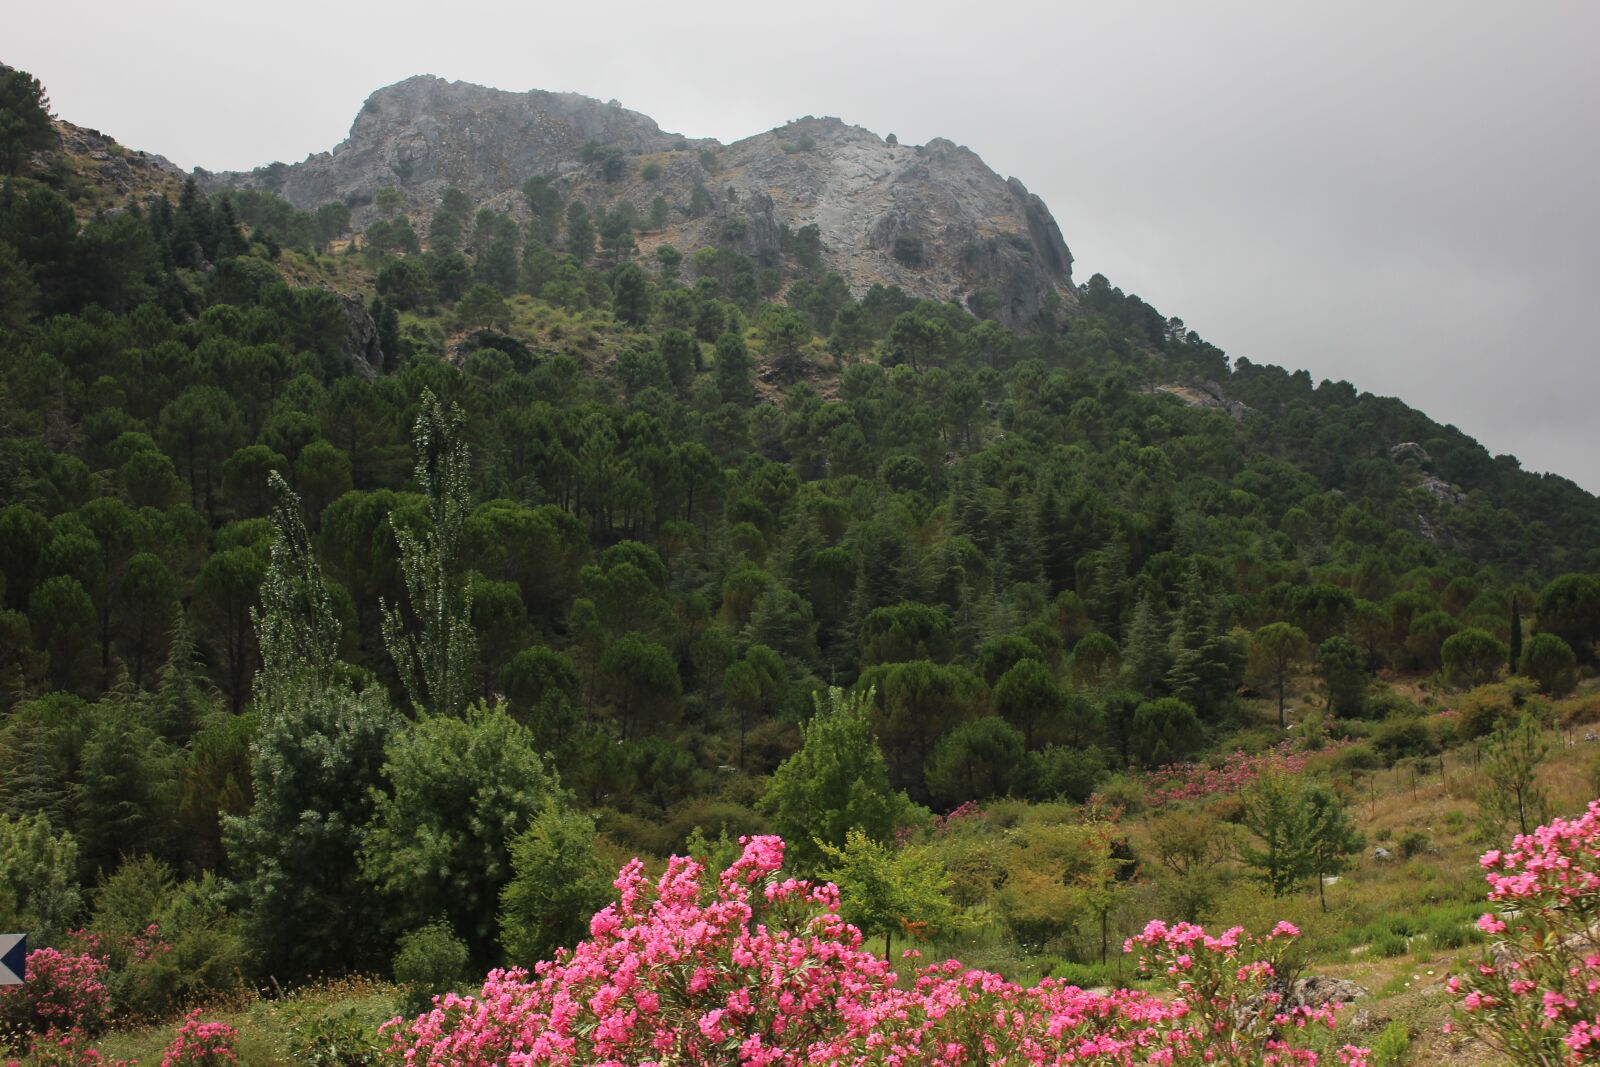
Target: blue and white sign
point(13, 959)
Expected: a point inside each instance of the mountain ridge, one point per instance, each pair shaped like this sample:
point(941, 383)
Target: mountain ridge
point(932, 219)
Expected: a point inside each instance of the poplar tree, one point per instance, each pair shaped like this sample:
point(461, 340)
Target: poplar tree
point(316, 761)
point(435, 663)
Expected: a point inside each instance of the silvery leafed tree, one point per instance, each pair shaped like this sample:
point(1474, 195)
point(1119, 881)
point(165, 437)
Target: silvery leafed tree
point(435, 661)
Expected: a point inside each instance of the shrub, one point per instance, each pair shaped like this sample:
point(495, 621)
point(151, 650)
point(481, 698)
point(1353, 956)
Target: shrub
point(761, 966)
point(1450, 932)
point(1414, 843)
point(201, 1044)
point(1535, 999)
point(1397, 739)
point(1392, 1045)
point(334, 1040)
point(431, 960)
point(1488, 707)
point(63, 993)
point(1386, 946)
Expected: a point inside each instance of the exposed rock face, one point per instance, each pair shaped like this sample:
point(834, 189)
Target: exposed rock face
point(118, 175)
point(933, 220)
point(361, 337)
point(1204, 394)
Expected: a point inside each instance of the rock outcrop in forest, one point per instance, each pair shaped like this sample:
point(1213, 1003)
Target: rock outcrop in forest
point(932, 219)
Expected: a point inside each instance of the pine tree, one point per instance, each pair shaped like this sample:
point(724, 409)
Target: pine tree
point(1273, 812)
point(1144, 656)
point(183, 698)
point(1515, 652)
point(1331, 838)
point(1206, 661)
point(435, 666)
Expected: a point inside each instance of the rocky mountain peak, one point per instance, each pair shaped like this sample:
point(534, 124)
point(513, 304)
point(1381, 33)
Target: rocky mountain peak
point(932, 219)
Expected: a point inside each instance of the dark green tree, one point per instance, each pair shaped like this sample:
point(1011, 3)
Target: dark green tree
point(1548, 661)
point(460, 791)
point(733, 369)
point(315, 764)
point(1344, 674)
point(24, 119)
point(557, 883)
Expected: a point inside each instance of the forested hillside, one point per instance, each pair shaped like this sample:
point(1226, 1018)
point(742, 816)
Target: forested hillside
point(348, 575)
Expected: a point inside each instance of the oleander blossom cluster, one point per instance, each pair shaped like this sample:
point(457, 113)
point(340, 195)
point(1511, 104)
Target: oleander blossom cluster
point(756, 968)
point(1196, 781)
point(1536, 997)
point(201, 1044)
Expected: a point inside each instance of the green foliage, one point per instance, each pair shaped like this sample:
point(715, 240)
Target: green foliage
point(1344, 674)
point(315, 757)
point(557, 884)
point(1275, 814)
point(431, 959)
point(458, 793)
point(887, 891)
point(1392, 1045)
point(1510, 793)
point(1164, 731)
point(434, 664)
point(1569, 608)
point(1330, 837)
point(24, 119)
point(197, 947)
point(1472, 657)
point(38, 878)
point(1549, 661)
point(335, 1039)
point(1275, 650)
point(978, 760)
point(837, 782)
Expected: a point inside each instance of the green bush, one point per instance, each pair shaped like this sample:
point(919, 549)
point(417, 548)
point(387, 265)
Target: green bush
point(1414, 843)
point(1404, 925)
point(1397, 739)
point(431, 960)
point(1446, 931)
point(1390, 1049)
point(1361, 757)
point(335, 1040)
point(1082, 975)
point(167, 942)
point(1390, 945)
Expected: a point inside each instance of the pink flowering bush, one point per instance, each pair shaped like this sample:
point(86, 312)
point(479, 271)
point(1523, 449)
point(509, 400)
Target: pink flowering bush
point(1197, 781)
point(66, 1048)
point(755, 968)
point(1536, 997)
point(201, 1044)
point(64, 992)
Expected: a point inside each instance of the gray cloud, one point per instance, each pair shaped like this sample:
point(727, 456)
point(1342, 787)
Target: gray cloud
point(1400, 195)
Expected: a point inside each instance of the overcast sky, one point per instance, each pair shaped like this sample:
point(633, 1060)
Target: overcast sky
point(1403, 195)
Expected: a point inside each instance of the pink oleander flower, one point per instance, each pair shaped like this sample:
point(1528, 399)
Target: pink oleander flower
point(1536, 1000)
point(689, 969)
point(202, 1044)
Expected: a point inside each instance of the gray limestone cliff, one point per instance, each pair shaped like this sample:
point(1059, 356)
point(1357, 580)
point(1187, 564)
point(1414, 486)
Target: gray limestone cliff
point(932, 219)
